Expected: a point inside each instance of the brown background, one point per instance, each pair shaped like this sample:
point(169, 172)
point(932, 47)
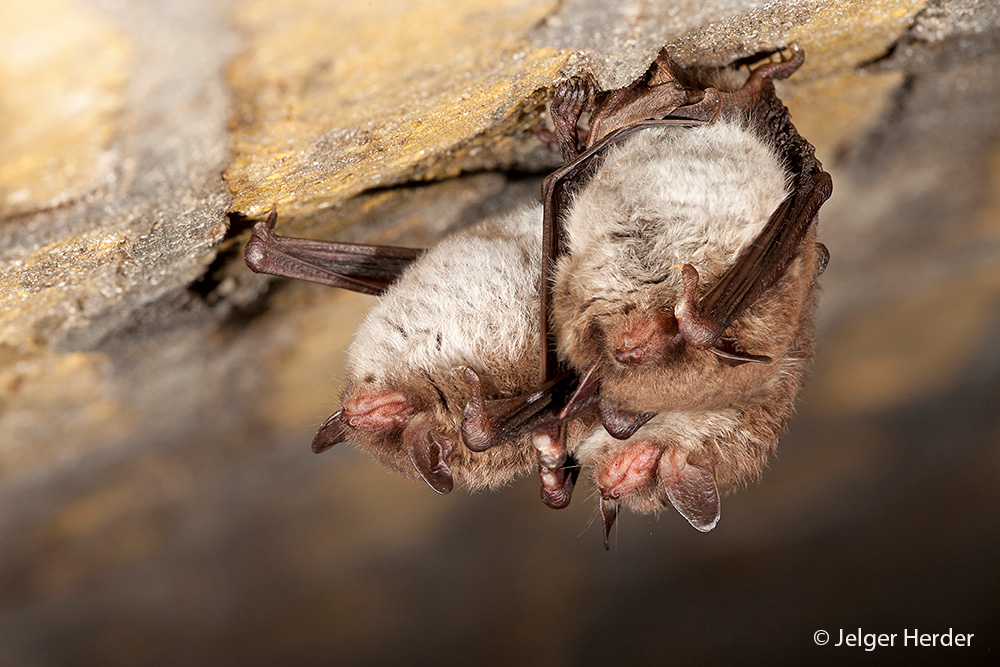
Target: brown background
point(158, 500)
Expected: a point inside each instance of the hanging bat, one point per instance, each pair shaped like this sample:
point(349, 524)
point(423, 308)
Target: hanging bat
point(680, 243)
point(686, 289)
point(687, 458)
point(642, 341)
point(453, 325)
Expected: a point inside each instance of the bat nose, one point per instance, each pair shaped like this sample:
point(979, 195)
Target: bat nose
point(376, 411)
point(631, 351)
point(642, 339)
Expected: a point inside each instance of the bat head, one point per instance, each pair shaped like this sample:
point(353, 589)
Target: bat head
point(629, 330)
point(642, 361)
point(649, 473)
point(413, 425)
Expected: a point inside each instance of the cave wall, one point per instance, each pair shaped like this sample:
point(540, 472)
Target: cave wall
point(158, 498)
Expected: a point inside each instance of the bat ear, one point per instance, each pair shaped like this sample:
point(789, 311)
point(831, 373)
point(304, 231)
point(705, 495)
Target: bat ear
point(622, 424)
point(429, 454)
point(332, 432)
point(732, 353)
point(691, 489)
point(609, 512)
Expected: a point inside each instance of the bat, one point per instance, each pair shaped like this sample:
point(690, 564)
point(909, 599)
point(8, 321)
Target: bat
point(684, 285)
point(678, 234)
point(454, 325)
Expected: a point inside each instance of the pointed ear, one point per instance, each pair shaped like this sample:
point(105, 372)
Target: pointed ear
point(609, 512)
point(332, 432)
point(621, 424)
point(429, 455)
point(691, 489)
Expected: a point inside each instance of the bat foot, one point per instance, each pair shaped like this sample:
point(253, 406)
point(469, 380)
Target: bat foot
point(557, 485)
point(782, 69)
point(571, 99)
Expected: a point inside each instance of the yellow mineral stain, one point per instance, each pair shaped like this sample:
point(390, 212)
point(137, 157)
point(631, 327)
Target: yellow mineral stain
point(47, 283)
point(842, 34)
point(62, 77)
point(335, 98)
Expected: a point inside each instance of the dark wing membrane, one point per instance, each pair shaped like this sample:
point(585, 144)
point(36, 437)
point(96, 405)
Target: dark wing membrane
point(362, 268)
point(761, 263)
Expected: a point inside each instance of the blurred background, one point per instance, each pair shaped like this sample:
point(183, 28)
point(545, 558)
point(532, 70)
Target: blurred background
point(159, 503)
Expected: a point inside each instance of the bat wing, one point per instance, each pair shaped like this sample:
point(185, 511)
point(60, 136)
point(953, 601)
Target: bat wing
point(762, 263)
point(757, 268)
point(361, 268)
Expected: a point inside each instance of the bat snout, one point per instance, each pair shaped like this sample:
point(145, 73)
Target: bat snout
point(643, 340)
point(631, 351)
point(632, 469)
point(376, 411)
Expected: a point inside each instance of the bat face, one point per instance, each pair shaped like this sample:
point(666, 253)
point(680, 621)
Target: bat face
point(687, 457)
point(413, 425)
point(665, 198)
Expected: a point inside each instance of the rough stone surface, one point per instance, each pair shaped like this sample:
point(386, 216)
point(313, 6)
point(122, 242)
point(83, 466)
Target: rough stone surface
point(158, 500)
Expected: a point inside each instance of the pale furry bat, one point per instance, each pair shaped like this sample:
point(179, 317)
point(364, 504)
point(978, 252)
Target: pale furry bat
point(684, 285)
point(648, 338)
point(685, 288)
point(455, 324)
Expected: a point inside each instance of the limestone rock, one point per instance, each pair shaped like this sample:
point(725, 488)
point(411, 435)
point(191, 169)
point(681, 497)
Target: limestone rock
point(159, 503)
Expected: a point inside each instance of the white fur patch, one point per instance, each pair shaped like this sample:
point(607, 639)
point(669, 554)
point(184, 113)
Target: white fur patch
point(471, 300)
point(668, 196)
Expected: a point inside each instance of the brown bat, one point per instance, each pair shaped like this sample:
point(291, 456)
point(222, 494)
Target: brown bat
point(631, 316)
point(686, 289)
point(682, 229)
point(453, 325)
